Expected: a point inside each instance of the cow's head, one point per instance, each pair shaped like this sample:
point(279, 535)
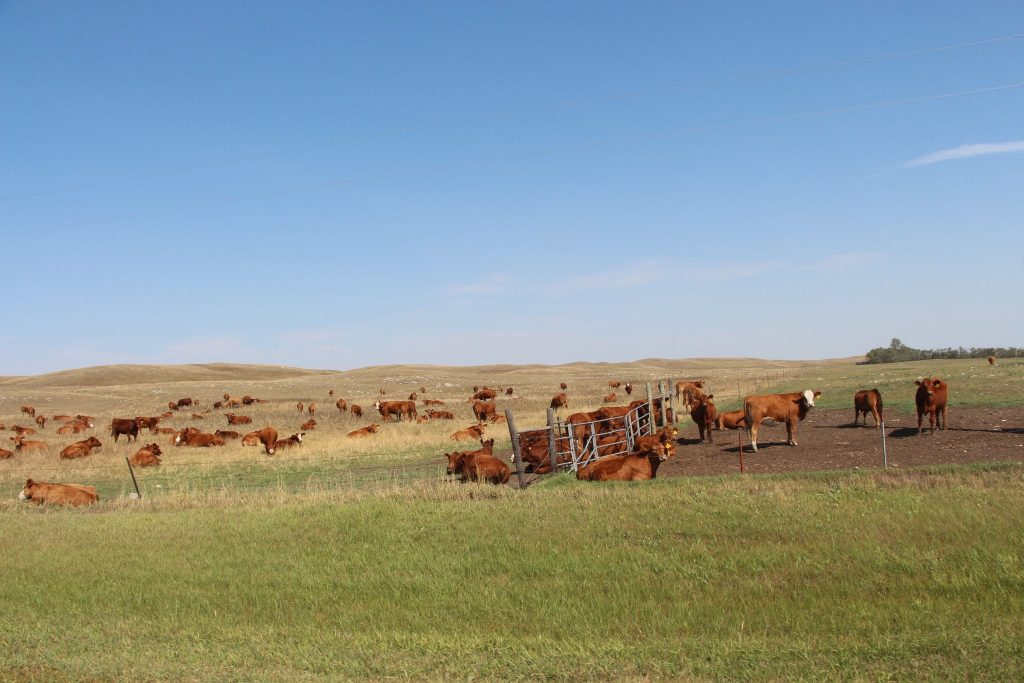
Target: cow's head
point(454, 461)
point(26, 493)
point(808, 396)
point(377, 405)
point(93, 442)
point(154, 449)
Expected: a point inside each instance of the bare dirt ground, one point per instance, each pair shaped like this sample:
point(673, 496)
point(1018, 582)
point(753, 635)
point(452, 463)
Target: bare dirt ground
point(829, 441)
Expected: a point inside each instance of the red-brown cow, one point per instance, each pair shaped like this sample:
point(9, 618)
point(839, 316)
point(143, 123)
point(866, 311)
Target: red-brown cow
point(293, 440)
point(308, 424)
point(400, 409)
point(867, 401)
point(610, 398)
point(704, 414)
point(22, 431)
point(932, 395)
point(41, 421)
point(40, 492)
point(991, 360)
point(29, 410)
point(369, 430)
point(311, 409)
point(149, 423)
point(470, 432)
point(20, 444)
point(730, 420)
point(432, 402)
point(559, 401)
point(197, 440)
point(126, 426)
point(484, 394)
point(228, 434)
point(356, 410)
point(341, 405)
point(238, 419)
point(642, 464)
point(440, 415)
point(148, 456)
point(563, 386)
point(483, 410)
point(6, 454)
point(789, 408)
point(508, 392)
point(80, 449)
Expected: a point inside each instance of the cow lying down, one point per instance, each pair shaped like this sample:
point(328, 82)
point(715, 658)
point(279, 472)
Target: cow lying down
point(40, 492)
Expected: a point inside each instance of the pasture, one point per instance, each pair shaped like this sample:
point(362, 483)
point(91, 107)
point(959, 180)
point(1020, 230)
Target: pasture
point(345, 559)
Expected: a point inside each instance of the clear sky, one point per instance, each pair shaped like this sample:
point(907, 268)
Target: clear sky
point(341, 184)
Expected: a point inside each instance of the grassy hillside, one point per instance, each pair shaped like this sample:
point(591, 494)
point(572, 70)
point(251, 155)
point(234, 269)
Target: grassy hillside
point(908, 575)
point(126, 375)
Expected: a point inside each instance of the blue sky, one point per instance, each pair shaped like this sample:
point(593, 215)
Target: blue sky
point(339, 184)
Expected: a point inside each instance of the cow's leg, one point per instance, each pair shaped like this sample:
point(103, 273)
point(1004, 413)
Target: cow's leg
point(920, 419)
point(753, 437)
point(942, 425)
point(931, 421)
point(710, 438)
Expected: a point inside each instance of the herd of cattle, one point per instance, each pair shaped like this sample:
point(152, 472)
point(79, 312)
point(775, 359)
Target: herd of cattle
point(480, 464)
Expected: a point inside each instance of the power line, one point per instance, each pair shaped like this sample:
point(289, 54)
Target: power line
point(577, 147)
point(523, 110)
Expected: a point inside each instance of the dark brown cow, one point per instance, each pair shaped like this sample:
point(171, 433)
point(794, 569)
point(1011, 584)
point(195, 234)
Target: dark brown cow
point(484, 394)
point(330, 392)
point(238, 419)
point(341, 405)
point(483, 410)
point(610, 398)
point(126, 426)
point(730, 420)
point(628, 388)
point(356, 410)
point(399, 409)
point(41, 421)
point(40, 492)
point(991, 360)
point(80, 449)
point(20, 444)
point(642, 464)
point(789, 408)
point(29, 410)
point(149, 423)
point(932, 395)
point(369, 430)
point(148, 456)
point(227, 434)
point(184, 403)
point(508, 392)
point(308, 424)
point(563, 386)
point(867, 401)
point(293, 440)
point(197, 440)
point(440, 415)
point(559, 401)
point(470, 432)
point(413, 396)
point(704, 414)
point(249, 400)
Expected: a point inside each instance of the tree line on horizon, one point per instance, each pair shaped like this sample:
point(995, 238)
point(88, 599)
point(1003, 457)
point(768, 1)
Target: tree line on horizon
point(898, 352)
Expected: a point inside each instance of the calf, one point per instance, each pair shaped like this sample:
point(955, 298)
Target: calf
point(470, 432)
point(432, 402)
point(6, 454)
point(609, 398)
point(148, 423)
point(614, 384)
point(41, 421)
point(20, 444)
point(311, 409)
point(308, 424)
point(789, 408)
point(931, 398)
point(560, 400)
point(40, 492)
point(227, 434)
point(238, 419)
point(149, 456)
point(356, 410)
point(293, 440)
point(80, 449)
point(440, 415)
point(730, 420)
point(628, 388)
point(364, 432)
point(867, 401)
point(341, 405)
point(483, 410)
point(75, 427)
point(642, 464)
point(29, 410)
point(198, 440)
point(704, 413)
point(126, 426)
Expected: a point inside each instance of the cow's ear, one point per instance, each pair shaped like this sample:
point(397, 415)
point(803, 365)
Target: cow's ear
point(710, 396)
point(917, 382)
point(817, 394)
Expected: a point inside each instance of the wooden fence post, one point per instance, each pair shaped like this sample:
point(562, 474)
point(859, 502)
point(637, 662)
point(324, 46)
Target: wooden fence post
point(516, 455)
point(671, 402)
point(135, 482)
point(552, 440)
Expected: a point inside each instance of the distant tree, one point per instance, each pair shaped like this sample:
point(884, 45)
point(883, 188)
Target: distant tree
point(898, 352)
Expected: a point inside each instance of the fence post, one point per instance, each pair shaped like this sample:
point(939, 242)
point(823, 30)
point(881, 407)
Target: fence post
point(131, 470)
point(516, 455)
point(650, 410)
point(671, 400)
point(885, 454)
point(739, 436)
point(552, 439)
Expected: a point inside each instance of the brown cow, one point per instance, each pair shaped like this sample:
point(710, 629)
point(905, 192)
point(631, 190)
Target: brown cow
point(498, 419)
point(22, 431)
point(704, 413)
point(238, 419)
point(413, 396)
point(868, 401)
point(470, 432)
point(20, 444)
point(311, 409)
point(330, 392)
point(789, 408)
point(293, 440)
point(252, 439)
point(308, 424)
point(628, 388)
point(484, 394)
point(563, 386)
point(197, 440)
point(508, 392)
point(148, 423)
point(482, 467)
point(249, 400)
point(40, 492)
point(730, 420)
point(560, 401)
point(171, 405)
point(184, 403)
point(642, 464)
point(5, 454)
point(300, 406)
point(365, 431)
point(991, 360)
point(610, 398)
point(62, 418)
point(400, 409)
point(268, 437)
point(126, 426)
point(682, 385)
point(483, 410)
point(931, 398)
point(217, 405)
point(440, 415)
point(75, 427)
point(29, 410)
point(432, 402)
point(423, 390)
point(341, 405)
point(41, 421)
point(614, 384)
point(148, 456)
point(165, 430)
point(227, 434)
point(197, 416)
point(80, 449)
point(356, 410)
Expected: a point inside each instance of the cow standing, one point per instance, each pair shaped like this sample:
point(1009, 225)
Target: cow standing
point(789, 408)
point(931, 398)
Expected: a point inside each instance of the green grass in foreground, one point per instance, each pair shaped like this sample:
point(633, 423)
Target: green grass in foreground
point(839, 575)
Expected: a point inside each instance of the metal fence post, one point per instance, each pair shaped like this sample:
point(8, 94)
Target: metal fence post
point(516, 455)
point(131, 470)
point(650, 409)
point(885, 454)
point(552, 439)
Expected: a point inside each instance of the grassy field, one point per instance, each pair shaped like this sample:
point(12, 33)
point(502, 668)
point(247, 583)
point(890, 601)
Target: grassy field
point(904, 575)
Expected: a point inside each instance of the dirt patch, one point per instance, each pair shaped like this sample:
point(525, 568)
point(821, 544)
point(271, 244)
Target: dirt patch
point(829, 441)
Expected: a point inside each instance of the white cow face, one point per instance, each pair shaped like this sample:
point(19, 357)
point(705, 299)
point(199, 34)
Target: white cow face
point(809, 397)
